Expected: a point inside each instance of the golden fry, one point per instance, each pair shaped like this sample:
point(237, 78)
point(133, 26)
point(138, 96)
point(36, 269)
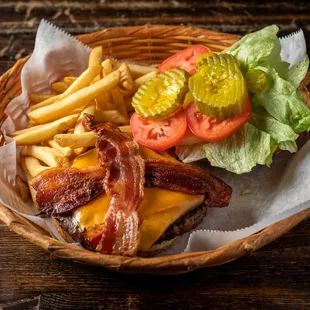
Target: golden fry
point(44, 103)
point(79, 128)
point(82, 81)
point(59, 87)
point(33, 166)
point(128, 104)
point(112, 116)
point(137, 70)
point(107, 67)
point(37, 134)
point(105, 102)
point(23, 189)
point(39, 98)
point(145, 78)
point(65, 150)
point(75, 141)
point(49, 156)
point(126, 77)
point(95, 56)
point(69, 80)
point(76, 100)
point(126, 129)
point(119, 100)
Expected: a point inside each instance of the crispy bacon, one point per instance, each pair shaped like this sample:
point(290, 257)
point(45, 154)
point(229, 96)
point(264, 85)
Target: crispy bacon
point(187, 179)
point(87, 121)
point(119, 154)
point(61, 190)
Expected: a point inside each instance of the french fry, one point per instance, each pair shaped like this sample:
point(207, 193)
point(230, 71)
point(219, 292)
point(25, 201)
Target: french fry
point(69, 80)
point(23, 189)
point(39, 98)
point(95, 56)
point(95, 59)
point(112, 116)
point(82, 81)
point(126, 129)
point(128, 104)
point(65, 150)
point(126, 93)
point(87, 139)
point(44, 103)
point(107, 67)
point(126, 77)
point(79, 128)
point(59, 87)
point(145, 78)
point(48, 155)
point(33, 166)
point(37, 134)
point(61, 108)
point(137, 70)
point(75, 141)
point(119, 100)
point(105, 102)
point(22, 131)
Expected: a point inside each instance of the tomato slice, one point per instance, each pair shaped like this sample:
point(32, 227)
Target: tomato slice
point(211, 129)
point(159, 135)
point(185, 59)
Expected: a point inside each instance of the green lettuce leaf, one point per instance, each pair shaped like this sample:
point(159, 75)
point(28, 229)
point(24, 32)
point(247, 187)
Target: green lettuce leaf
point(283, 103)
point(238, 153)
point(259, 48)
point(281, 133)
point(298, 72)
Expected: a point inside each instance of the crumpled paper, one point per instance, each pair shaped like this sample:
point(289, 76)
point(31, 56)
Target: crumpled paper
point(272, 193)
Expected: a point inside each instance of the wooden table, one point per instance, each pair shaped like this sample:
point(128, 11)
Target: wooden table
point(276, 277)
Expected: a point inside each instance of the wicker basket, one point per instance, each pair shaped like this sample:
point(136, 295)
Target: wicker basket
point(149, 44)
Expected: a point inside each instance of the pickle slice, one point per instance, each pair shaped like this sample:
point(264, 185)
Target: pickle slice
point(256, 81)
point(218, 87)
point(161, 96)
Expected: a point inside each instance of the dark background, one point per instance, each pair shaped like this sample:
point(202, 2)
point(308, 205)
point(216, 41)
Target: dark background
point(276, 277)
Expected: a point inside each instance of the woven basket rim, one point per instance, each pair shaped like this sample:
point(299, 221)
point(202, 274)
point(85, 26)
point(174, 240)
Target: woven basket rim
point(172, 264)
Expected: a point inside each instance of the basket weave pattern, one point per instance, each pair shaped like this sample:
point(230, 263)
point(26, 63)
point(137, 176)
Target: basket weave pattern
point(147, 44)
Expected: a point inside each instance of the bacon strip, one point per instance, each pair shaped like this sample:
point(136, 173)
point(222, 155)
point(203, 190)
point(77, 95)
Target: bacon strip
point(187, 179)
point(119, 154)
point(61, 190)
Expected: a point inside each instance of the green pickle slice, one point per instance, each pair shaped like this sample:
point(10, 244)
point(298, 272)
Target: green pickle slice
point(161, 96)
point(218, 87)
point(256, 81)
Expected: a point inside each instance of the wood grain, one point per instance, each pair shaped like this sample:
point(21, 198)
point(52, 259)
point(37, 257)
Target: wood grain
point(19, 19)
point(275, 277)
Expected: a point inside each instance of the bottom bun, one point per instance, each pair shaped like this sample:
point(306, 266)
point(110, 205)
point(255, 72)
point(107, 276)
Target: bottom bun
point(157, 248)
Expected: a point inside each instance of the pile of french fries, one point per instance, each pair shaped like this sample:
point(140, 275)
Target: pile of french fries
point(56, 135)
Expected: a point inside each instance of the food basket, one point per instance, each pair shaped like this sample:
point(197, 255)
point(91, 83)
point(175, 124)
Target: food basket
point(147, 44)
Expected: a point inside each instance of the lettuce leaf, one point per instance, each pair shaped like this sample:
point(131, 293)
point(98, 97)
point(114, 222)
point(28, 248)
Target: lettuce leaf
point(298, 72)
point(260, 48)
point(283, 103)
point(281, 133)
point(238, 153)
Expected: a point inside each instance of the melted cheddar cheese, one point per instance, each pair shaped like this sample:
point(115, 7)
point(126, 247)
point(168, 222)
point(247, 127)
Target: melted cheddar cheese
point(159, 208)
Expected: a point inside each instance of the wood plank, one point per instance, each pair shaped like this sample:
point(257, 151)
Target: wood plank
point(265, 277)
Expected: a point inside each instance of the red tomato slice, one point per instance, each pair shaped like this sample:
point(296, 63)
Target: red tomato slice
point(159, 135)
point(185, 59)
point(211, 129)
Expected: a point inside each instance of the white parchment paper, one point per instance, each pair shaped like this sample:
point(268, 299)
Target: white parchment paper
point(275, 193)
